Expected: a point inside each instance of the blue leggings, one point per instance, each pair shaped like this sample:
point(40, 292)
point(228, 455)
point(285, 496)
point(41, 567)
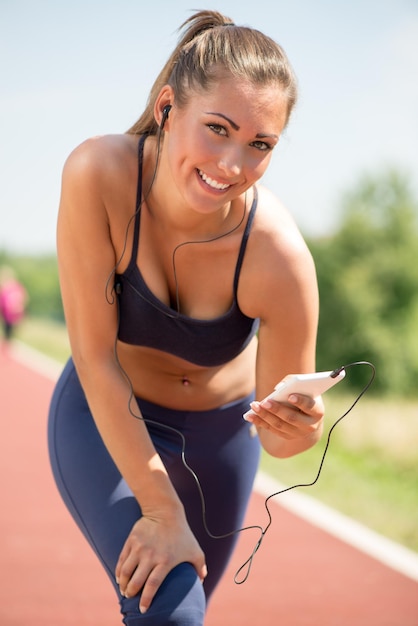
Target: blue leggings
point(220, 448)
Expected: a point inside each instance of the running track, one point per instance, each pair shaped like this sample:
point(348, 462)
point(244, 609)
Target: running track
point(301, 576)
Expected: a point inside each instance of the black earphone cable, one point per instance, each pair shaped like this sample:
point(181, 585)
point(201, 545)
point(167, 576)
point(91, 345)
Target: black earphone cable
point(248, 563)
point(215, 238)
point(110, 290)
point(245, 568)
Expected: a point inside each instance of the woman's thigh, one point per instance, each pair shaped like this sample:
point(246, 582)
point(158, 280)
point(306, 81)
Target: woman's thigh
point(104, 508)
point(211, 457)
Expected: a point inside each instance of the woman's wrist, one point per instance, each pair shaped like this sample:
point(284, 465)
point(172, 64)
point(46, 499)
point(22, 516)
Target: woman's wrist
point(163, 508)
point(157, 496)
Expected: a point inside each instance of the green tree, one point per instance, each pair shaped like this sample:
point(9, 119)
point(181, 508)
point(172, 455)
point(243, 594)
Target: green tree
point(368, 281)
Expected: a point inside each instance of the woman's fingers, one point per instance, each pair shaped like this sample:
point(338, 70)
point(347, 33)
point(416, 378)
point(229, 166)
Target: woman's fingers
point(151, 551)
point(288, 420)
point(152, 583)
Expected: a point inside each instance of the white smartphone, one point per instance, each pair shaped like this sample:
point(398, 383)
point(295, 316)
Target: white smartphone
point(307, 384)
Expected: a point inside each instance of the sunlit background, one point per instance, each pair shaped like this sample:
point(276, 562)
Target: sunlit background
point(347, 168)
point(70, 70)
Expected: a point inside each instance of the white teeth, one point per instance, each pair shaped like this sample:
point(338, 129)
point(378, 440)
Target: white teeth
point(211, 182)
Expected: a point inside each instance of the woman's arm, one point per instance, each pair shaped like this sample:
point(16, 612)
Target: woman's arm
point(87, 257)
point(283, 285)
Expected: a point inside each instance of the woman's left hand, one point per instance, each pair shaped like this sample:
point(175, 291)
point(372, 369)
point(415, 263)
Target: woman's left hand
point(300, 418)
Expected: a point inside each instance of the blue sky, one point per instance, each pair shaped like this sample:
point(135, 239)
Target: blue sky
point(72, 69)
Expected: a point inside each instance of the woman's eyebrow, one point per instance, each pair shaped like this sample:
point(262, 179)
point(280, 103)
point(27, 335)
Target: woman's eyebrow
point(236, 127)
point(267, 136)
point(233, 124)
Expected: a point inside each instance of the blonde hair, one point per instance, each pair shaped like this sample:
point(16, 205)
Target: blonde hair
point(210, 46)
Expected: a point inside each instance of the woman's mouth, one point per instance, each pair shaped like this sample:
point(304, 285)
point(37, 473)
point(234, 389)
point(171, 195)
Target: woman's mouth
point(212, 182)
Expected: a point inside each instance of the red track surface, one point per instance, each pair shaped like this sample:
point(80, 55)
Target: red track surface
point(301, 576)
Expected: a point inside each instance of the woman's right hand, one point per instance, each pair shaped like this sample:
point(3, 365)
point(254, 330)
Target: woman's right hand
point(155, 545)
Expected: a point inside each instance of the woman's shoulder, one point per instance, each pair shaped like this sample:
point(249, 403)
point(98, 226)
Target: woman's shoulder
point(275, 225)
point(278, 260)
point(101, 155)
point(276, 249)
point(101, 173)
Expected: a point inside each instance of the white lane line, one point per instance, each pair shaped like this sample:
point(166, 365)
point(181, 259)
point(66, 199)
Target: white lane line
point(348, 530)
point(36, 361)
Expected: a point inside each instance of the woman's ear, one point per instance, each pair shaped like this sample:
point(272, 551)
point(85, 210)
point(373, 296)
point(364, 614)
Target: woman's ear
point(163, 105)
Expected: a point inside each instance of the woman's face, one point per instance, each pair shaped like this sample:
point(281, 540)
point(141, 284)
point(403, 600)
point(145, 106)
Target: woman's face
point(221, 142)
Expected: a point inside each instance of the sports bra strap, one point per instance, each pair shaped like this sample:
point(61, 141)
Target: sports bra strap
point(138, 200)
point(244, 241)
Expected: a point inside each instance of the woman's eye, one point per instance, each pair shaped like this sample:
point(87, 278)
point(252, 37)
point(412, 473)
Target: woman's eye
point(261, 145)
point(218, 129)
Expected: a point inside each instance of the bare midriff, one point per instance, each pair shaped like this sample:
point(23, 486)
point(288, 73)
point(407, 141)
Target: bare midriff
point(172, 382)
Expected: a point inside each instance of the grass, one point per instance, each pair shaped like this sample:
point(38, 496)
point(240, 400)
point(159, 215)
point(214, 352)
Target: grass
point(371, 468)
point(46, 336)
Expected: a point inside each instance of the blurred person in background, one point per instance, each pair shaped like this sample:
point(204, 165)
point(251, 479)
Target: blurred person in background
point(13, 302)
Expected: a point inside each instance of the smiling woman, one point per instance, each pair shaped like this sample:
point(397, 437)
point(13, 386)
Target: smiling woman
point(225, 153)
point(188, 292)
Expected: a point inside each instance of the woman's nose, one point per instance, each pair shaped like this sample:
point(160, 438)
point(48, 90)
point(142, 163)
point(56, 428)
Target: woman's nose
point(231, 162)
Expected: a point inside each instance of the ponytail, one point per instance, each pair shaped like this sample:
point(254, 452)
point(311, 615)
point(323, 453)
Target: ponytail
point(205, 47)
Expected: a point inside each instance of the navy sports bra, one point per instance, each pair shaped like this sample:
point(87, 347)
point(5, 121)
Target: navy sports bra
point(146, 321)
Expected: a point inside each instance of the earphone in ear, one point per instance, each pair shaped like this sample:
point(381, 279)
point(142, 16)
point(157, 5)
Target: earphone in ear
point(166, 111)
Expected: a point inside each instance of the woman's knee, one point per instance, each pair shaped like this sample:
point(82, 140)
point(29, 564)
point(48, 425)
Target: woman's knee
point(180, 601)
